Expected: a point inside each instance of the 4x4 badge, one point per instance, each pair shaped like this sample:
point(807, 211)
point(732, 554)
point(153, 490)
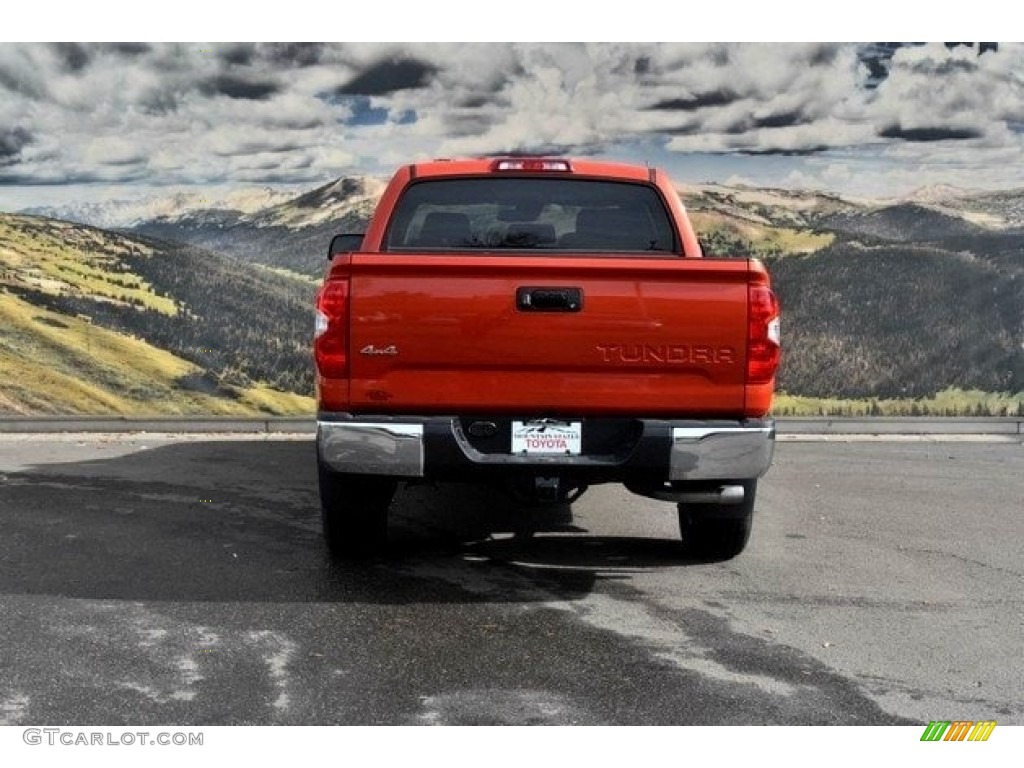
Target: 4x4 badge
point(370, 349)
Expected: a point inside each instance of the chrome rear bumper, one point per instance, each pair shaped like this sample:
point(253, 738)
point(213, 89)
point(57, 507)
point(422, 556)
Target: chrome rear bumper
point(720, 453)
point(368, 448)
point(430, 446)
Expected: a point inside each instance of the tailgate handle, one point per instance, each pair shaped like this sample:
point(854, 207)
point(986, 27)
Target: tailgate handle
point(549, 299)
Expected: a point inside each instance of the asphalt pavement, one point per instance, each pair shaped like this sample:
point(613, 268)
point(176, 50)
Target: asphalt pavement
point(181, 579)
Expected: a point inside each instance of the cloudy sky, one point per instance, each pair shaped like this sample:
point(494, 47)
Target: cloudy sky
point(100, 120)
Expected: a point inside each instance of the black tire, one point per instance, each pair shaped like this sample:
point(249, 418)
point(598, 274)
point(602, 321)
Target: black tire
point(355, 512)
point(712, 532)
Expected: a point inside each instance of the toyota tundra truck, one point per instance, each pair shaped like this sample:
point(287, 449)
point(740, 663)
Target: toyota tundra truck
point(544, 324)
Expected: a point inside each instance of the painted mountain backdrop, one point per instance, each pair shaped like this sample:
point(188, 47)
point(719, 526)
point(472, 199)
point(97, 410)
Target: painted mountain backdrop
point(180, 306)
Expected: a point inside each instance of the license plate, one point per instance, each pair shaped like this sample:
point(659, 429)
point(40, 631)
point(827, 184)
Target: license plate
point(547, 436)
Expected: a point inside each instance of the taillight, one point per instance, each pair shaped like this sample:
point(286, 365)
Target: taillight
point(763, 340)
point(330, 333)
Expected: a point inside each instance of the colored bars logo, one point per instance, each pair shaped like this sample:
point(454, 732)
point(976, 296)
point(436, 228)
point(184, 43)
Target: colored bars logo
point(958, 730)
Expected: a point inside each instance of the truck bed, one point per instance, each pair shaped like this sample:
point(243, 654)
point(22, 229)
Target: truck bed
point(659, 336)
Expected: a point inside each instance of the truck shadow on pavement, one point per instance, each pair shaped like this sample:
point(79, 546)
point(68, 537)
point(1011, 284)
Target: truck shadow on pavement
point(238, 520)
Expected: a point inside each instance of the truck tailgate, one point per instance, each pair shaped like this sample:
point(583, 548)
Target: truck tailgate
point(448, 333)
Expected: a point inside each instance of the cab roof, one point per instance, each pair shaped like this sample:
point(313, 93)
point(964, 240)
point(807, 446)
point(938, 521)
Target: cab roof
point(487, 166)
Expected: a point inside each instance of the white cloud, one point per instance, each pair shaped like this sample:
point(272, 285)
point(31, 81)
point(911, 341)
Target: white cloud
point(215, 113)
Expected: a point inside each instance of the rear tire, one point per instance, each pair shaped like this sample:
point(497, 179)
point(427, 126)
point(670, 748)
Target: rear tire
point(355, 512)
point(715, 532)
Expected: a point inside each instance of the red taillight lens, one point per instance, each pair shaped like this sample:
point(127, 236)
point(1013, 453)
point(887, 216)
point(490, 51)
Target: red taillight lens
point(330, 335)
point(763, 340)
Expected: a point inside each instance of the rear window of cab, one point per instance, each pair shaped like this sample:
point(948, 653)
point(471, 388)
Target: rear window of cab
point(515, 213)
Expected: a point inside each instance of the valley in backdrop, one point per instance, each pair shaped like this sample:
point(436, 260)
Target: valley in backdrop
point(177, 306)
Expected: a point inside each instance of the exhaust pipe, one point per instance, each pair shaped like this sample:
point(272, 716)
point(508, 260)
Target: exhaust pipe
point(724, 494)
point(727, 494)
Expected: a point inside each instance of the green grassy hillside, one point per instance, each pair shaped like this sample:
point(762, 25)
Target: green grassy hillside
point(759, 222)
point(95, 322)
point(722, 234)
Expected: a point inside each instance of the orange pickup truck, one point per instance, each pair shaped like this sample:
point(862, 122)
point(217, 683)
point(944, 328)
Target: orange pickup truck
point(546, 324)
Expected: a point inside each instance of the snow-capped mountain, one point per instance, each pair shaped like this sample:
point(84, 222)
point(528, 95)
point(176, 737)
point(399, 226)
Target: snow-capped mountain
point(292, 233)
point(328, 203)
point(938, 193)
point(127, 213)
